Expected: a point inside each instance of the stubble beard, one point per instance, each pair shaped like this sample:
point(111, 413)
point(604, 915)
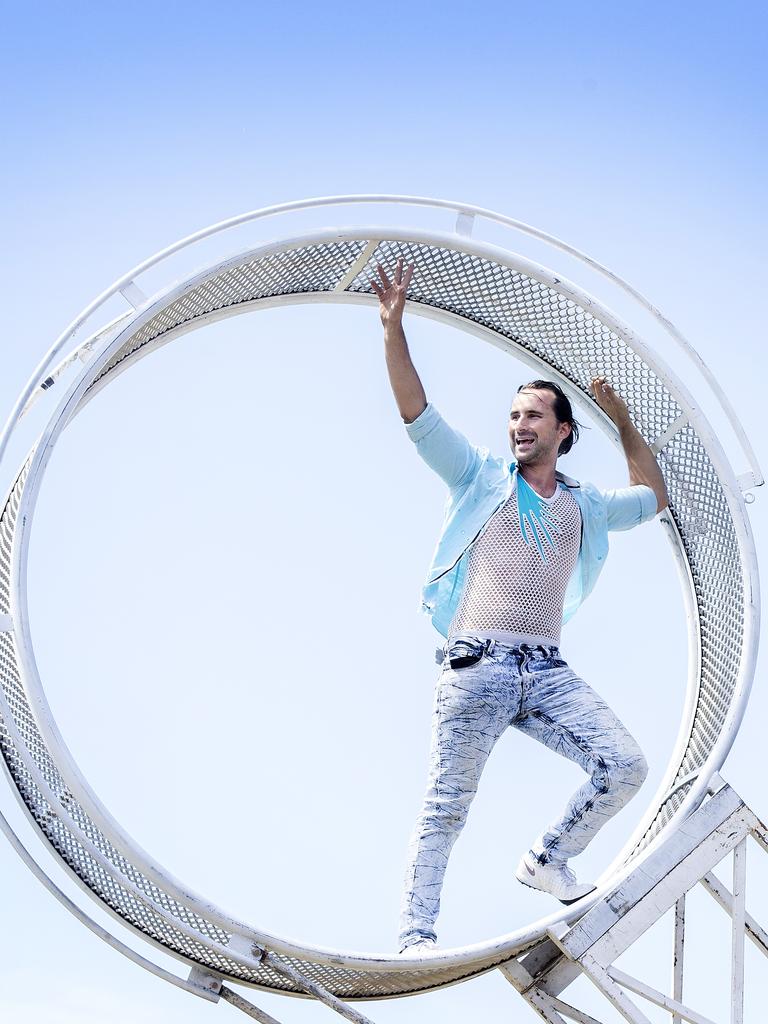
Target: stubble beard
point(537, 454)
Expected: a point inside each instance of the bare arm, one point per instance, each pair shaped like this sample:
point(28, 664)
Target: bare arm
point(406, 383)
point(642, 465)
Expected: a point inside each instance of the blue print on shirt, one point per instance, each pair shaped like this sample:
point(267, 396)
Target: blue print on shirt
point(536, 518)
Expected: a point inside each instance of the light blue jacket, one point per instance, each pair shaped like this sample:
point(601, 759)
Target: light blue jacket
point(479, 483)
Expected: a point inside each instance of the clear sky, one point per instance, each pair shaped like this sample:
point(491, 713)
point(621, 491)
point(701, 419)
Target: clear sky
point(244, 684)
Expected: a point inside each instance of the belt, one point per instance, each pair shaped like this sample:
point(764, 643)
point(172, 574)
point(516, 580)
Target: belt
point(470, 646)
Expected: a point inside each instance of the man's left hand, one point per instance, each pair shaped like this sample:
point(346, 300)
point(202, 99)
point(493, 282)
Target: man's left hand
point(610, 402)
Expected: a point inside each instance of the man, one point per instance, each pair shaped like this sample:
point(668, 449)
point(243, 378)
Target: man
point(521, 547)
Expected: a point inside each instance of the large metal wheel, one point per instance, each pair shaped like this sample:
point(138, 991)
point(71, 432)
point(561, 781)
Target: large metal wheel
point(492, 292)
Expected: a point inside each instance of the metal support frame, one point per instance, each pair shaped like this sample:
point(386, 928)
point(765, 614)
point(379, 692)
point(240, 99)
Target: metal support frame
point(310, 987)
point(210, 984)
point(678, 954)
point(590, 947)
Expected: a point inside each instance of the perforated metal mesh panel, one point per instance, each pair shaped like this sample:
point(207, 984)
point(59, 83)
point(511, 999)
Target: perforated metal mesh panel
point(701, 513)
point(525, 313)
point(535, 317)
point(7, 524)
point(291, 272)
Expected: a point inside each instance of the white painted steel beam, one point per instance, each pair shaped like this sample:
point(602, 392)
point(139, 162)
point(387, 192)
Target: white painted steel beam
point(314, 989)
point(738, 917)
point(247, 1007)
point(357, 266)
point(602, 980)
point(678, 955)
point(133, 294)
point(465, 224)
point(724, 898)
point(611, 911)
point(673, 429)
point(656, 997)
point(664, 895)
point(571, 1012)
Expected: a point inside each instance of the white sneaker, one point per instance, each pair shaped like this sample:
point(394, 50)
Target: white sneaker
point(556, 878)
point(418, 949)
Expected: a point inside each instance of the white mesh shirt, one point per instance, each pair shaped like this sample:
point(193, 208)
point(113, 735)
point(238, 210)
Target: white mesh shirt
point(519, 568)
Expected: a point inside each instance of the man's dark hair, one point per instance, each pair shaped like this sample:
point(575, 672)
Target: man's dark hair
point(562, 409)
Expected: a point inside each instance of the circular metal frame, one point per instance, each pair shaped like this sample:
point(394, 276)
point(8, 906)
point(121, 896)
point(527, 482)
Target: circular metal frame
point(181, 922)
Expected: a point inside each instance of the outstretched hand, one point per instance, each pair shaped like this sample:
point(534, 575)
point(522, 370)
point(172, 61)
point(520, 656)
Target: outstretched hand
point(609, 401)
point(641, 462)
point(392, 293)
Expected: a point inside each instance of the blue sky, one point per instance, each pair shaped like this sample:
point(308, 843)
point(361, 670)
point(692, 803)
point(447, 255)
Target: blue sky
point(638, 134)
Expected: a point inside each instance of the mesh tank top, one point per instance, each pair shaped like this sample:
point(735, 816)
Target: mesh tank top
point(519, 568)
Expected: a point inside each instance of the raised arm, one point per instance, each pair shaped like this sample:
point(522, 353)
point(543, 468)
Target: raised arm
point(642, 465)
point(406, 383)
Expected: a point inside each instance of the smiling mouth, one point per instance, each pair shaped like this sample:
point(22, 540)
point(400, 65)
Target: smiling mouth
point(524, 442)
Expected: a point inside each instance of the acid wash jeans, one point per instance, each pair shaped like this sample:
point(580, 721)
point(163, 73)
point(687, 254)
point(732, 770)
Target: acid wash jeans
point(534, 690)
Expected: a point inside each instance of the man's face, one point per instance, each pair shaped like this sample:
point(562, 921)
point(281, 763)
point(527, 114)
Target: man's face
point(534, 433)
